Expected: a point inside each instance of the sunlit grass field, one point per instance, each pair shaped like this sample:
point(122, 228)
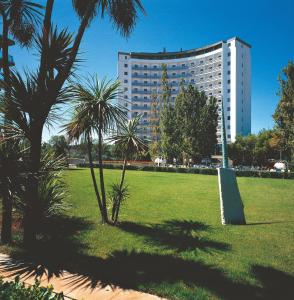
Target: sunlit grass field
point(170, 241)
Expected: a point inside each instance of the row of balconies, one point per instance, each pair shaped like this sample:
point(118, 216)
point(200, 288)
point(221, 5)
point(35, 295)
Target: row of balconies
point(177, 83)
point(183, 66)
point(178, 75)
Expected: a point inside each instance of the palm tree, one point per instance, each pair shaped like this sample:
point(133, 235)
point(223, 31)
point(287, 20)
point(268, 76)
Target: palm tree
point(19, 18)
point(97, 112)
point(81, 128)
point(129, 143)
point(35, 96)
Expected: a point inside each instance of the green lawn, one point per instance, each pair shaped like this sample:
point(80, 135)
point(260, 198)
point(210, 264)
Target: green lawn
point(170, 241)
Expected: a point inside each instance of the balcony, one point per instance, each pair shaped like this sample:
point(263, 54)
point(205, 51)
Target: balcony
point(10, 60)
point(151, 68)
point(134, 107)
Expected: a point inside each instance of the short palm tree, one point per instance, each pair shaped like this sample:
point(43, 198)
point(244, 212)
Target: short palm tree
point(129, 143)
point(96, 112)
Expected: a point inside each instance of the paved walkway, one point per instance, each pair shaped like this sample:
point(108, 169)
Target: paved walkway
point(73, 286)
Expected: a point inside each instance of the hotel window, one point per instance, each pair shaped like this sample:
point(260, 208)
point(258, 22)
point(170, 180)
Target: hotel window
point(183, 65)
point(229, 81)
point(219, 74)
point(145, 81)
point(154, 82)
point(229, 90)
point(192, 64)
point(229, 136)
point(145, 66)
point(192, 72)
point(210, 76)
point(229, 72)
point(136, 97)
point(210, 59)
point(174, 66)
point(174, 74)
point(126, 65)
point(228, 118)
point(201, 61)
point(219, 82)
point(126, 104)
point(125, 89)
point(145, 98)
point(229, 44)
point(228, 99)
point(229, 53)
point(228, 127)
point(183, 73)
point(145, 90)
point(201, 70)
point(154, 67)
point(219, 56)
point(145, 74)
point(125, 73)
point(229, 63)
point(126, 57)
point(145, 114)
point(135, 73)
point(125, 81)
point(136, 66)
point(126, 96)
point(145, 105)
point(228, 108)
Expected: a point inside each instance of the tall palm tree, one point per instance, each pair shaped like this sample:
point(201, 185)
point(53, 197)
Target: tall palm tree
point(81, 128)
point(129, 143)
point(34, 96)
point(97, 112)
point(19, 19)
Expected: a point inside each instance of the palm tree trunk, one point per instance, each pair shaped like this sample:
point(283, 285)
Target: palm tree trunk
point(63, 75)
point(6, 214)
point(101, 175)
point(32, 193)
point(120, 188)
point(94, 178)
point(7, 201)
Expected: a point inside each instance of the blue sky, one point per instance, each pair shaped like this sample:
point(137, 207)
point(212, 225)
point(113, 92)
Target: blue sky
point(267, 25)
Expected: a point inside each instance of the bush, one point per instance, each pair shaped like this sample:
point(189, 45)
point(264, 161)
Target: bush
point(260, 174)
point(17, 290)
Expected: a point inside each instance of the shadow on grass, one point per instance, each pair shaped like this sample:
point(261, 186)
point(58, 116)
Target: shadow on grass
point(61, 249)
point(180, 235)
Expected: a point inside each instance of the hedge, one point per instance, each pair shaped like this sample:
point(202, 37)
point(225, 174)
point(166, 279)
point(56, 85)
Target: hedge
point(17, 290)
point(260, 174)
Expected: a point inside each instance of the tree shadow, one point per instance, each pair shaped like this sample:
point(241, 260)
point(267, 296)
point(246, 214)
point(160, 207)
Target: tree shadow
point(61, 249)
point(180, 235)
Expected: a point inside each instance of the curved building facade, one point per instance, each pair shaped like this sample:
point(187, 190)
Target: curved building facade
point(221, 70)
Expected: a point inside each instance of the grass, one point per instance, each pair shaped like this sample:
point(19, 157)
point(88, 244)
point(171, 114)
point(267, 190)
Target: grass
point(170, 241)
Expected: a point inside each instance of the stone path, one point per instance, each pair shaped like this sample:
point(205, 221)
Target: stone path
point(73, 286)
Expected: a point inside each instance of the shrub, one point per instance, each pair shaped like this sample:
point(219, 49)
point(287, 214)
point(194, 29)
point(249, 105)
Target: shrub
point(17, 290)
point(204, 171)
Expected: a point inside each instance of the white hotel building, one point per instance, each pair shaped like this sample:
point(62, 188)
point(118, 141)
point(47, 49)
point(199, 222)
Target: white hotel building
point(221, 70)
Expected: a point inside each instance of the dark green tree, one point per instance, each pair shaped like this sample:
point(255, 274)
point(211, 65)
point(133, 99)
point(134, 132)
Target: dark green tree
point(284, 114)
point(197, 120)
point(59, 145)
point(169, 138)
